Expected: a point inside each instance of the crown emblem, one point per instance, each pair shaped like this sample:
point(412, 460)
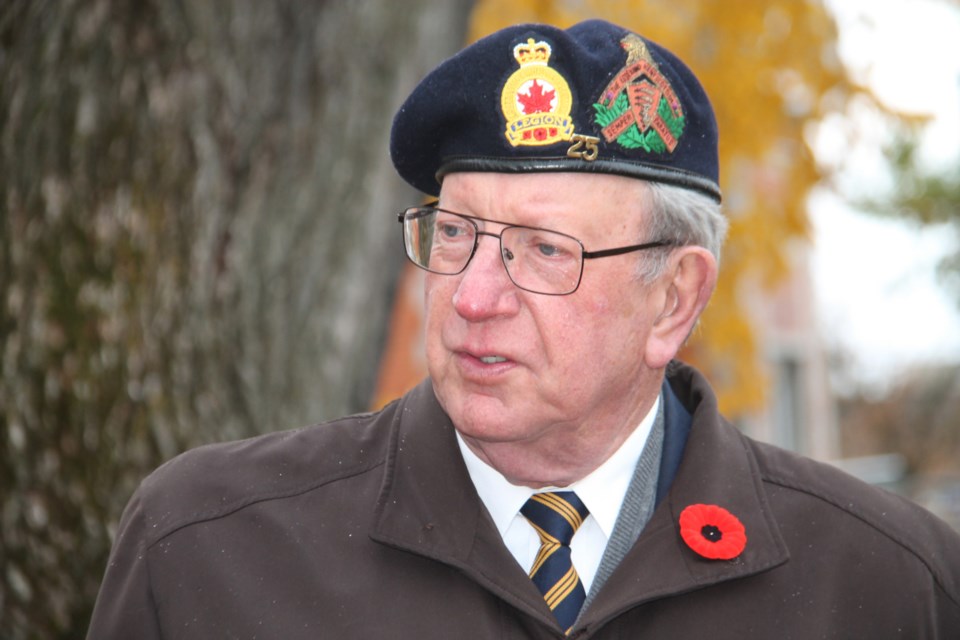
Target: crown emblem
point(531, 52)
point(536, 99)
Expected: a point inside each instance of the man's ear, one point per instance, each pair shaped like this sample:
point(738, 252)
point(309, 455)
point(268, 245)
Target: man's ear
point(686, 287)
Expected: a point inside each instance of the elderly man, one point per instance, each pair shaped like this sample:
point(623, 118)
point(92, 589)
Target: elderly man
point(558, 474)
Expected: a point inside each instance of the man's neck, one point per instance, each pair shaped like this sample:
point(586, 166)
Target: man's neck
point(557, 460)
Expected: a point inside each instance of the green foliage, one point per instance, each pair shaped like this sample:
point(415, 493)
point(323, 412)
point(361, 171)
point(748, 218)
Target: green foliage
point(676, 123)
point(632, 138)
point(927, 198)
point(924, 198)
point(606, 115)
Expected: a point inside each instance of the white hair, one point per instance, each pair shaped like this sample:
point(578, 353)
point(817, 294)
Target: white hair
point(682, 217)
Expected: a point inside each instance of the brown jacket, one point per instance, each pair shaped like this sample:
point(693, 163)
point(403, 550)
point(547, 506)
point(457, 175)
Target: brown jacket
point(369, 527)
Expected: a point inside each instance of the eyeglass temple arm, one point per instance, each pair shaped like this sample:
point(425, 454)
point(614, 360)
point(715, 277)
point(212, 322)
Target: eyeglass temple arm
point(425, 210)
point(587, 255)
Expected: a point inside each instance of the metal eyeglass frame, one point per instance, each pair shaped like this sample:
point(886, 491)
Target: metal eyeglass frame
point(414, 212)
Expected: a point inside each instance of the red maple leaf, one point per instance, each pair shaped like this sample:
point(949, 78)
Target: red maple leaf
point(537, 100)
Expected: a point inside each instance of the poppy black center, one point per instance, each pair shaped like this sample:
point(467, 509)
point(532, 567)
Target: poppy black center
point(711, 533)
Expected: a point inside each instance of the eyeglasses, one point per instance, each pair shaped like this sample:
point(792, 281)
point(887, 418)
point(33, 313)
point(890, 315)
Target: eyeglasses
point(537, 260)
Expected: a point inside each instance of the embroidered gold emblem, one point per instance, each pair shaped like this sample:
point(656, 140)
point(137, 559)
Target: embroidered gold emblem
point(535, 99)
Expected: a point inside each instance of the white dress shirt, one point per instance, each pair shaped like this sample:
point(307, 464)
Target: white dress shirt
point(602, 492)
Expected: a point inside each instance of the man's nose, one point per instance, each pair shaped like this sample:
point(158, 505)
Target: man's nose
point(485, 289)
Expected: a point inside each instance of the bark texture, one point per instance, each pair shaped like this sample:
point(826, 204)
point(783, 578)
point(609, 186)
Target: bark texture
point(196, 243)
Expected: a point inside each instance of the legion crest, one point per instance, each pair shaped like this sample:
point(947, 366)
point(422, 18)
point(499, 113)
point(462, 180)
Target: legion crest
point(536, 99)
point(639, 109)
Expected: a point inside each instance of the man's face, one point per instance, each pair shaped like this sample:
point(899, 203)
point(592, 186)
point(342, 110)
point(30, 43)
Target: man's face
point(533, 380)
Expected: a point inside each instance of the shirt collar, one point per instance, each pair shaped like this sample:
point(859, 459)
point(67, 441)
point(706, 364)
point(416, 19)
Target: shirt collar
point(602, 491)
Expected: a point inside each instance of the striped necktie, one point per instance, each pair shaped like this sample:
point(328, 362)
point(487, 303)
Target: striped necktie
point(556, 517)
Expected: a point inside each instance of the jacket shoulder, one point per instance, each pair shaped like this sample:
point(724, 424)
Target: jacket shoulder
point(934, 543)
point(214, 480)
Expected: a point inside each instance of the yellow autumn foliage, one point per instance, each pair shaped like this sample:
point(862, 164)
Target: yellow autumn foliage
point(771, 70)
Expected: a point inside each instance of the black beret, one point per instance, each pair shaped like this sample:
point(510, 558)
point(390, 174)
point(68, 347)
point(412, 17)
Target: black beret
point(594, 98)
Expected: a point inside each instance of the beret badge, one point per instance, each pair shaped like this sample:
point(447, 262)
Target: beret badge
point(639, 109)
point(536, 99)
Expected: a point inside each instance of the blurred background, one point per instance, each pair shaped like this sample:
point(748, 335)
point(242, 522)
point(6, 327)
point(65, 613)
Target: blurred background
point(197, 240)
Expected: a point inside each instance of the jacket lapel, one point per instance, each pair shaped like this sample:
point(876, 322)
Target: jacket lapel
point(429, 506)
point(716, 468)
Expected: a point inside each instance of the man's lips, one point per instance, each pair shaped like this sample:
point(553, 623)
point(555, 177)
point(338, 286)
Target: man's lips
point(483, 357)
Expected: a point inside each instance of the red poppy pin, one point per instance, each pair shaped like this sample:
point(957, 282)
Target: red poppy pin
point(712, 531)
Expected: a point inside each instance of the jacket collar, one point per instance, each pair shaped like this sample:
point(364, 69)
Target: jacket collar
point(429, 506)
point(717, 468)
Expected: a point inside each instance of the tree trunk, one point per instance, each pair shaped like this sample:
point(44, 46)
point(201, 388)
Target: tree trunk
point(196, 243)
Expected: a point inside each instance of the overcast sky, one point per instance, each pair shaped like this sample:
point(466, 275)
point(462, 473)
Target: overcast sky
point(877, 295)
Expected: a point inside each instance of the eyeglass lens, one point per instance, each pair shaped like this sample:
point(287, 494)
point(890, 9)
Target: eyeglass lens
point(537, 260)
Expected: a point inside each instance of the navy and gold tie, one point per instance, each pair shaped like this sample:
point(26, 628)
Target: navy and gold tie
point(556, 517)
